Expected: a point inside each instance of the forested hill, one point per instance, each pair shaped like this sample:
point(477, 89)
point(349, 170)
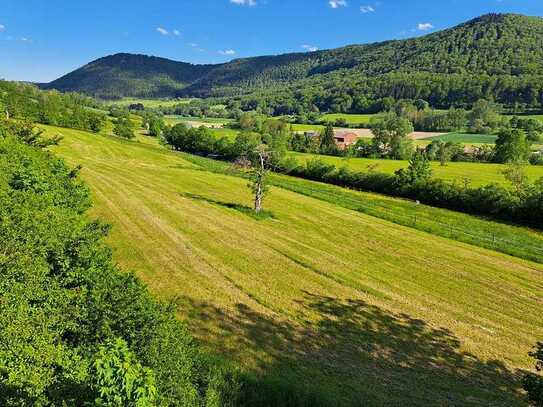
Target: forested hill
point(130, 75)
point(497, 45)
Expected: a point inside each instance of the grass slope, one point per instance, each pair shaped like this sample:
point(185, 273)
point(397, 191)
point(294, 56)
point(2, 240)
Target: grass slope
point(319, 296)
point(477, 173)
point(467, 138)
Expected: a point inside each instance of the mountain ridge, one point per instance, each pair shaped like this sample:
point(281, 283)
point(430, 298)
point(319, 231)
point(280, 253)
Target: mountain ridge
point(492, 44)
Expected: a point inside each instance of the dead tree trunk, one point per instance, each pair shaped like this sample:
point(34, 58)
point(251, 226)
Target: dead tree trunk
point(259, 177)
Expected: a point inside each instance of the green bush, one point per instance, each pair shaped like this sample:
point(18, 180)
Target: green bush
point(74, 329)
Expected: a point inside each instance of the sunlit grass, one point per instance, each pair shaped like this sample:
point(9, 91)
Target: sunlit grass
point(319, 294)
point(477, 174)
point(349, 118)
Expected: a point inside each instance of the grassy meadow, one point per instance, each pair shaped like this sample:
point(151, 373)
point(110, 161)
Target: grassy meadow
point(478, 174)
point(325, 298)
point(173, 119)
point(349, 118)
point(464, 138)
point(150, 103)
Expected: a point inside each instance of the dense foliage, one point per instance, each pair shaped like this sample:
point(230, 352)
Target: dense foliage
point(129, 75)
point(493, 57)
point(74, 329)
point(391, 132)
point(255, 132)
point(23, 101)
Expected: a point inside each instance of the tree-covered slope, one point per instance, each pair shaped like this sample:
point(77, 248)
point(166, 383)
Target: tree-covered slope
point(130, 75)
point(493, 45)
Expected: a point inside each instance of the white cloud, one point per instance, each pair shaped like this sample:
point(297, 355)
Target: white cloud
point(193, 45)
point(425, 26)
point(228, 52)
point(310, 48)
point(244, 2)
point(177, 33)
point(367, 9)
point(162, 31)
point(2, 27)
point(337, 3)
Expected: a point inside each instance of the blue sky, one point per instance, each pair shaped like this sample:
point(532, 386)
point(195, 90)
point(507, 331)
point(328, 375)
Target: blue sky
point(41, 40)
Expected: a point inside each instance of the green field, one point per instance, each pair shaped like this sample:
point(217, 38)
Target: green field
point(307, 127)
point(477, 173)
point(323, 297)
point(349, 118)
point(464, 138)
point(211, 120)
point(526, 116)
point(151, 103)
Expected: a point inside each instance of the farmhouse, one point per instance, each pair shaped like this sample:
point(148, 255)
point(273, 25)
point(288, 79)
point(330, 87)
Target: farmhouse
point(345, 139)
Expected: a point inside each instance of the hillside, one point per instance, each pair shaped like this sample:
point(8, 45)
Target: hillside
point(505, 46)
point(128, 74)
point(319, 298)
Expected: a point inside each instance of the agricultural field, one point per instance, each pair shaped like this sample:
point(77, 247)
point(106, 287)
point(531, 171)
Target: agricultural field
point(349, 118)
point(306, 127)
point(172, 119)
point(468, 139)
point(478, 174)
point(151, 103)
point(317, 295)
point(224, 132)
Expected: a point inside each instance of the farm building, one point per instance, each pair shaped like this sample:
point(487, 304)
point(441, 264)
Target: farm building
point(345, 139)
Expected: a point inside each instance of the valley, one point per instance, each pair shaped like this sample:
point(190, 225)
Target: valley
point(284, 286)
point(257, 203)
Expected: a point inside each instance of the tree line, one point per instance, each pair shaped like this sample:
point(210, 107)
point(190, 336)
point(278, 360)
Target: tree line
point(71, 110)
point(521, 203)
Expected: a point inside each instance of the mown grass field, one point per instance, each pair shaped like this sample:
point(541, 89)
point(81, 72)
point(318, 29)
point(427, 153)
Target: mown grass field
point(323, 297)
point(213, 120)
point(349, 118)
point(150, 103)
point(478, 174)
point(464, 138)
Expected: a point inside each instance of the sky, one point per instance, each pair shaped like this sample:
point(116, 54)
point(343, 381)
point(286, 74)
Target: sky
point(41, 40)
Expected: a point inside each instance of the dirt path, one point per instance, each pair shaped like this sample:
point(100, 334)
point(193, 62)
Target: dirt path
point(197, 124)
point(366, 133)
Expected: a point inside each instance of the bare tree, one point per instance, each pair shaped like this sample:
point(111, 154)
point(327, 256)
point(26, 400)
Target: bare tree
point(442, 153)
point(259, 175)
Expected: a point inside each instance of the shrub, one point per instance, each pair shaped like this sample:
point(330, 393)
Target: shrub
point(74, 329)
point(124, 128)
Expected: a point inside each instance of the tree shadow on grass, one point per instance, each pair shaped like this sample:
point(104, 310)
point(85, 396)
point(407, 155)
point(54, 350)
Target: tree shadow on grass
point(356, 354)
point(263, 215)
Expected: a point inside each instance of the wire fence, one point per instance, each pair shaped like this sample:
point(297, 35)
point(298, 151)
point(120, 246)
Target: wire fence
point(522, 242)
point(484, 233)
